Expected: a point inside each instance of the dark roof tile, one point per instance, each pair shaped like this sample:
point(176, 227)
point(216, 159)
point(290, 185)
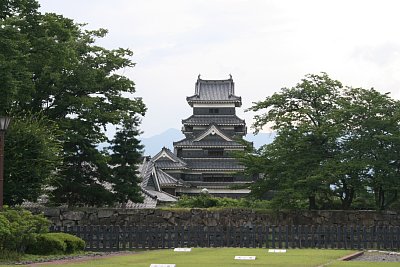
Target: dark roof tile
point(228, 164)
point(209, 119)
point(214, 90)
point(207, 143)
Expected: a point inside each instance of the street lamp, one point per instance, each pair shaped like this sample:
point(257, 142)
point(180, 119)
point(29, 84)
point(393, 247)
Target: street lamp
point(4, 122)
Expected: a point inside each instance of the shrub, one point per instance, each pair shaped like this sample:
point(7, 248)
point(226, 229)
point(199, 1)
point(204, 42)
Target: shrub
point(56, 243)
point(208, 201)
point(19, 227)
point(201, 201)
point(46, 244)
point(7, 256)
point(73, 243)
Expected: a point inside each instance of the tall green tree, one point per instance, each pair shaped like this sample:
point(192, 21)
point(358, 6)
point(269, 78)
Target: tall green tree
point(54, 67)
point(302, 117)
point(126, 155)
point(334, 144)
point(16, 78)
point(370, 146)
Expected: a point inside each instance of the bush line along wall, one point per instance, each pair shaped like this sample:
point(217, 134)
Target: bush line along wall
point(225, 217)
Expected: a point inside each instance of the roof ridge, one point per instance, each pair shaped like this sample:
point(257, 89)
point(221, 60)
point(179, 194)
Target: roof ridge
point(213, 129)
point(224, 80)
point(166, 151)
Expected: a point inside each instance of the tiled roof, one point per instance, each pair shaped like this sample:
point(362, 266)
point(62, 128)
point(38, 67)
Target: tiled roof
point(214, 90)
point(207, 143)
point(153, 177)
point(164, 164)
point(166, 159)
point(148, 203)
point(209, 119)
point(151, 190)
point(146, 170)
point(167, 180)
point(215, 131)
point(218, 138)
point(162, 196)
point(227, 164)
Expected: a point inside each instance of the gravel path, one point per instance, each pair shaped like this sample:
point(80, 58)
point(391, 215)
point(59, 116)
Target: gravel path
point(381, 256)
point(79, 258)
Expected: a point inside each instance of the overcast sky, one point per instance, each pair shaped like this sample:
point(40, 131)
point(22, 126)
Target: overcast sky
point(265, 45)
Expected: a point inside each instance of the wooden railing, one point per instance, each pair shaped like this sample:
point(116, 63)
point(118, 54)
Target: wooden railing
point(282, 236)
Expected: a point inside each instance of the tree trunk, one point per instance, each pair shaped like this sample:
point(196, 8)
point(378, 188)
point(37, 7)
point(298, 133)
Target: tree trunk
point(348, 198)
point(312, 203)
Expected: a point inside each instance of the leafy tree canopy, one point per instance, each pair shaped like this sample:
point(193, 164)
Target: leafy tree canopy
point(334, 145)
point(34, 153)
point(52, 66)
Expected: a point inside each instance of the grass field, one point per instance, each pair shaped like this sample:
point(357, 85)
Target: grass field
point(363, 264)
point(224, 257)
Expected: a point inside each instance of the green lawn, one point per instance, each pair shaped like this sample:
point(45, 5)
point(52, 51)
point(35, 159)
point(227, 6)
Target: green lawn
point(224, 257)
point(363, 264)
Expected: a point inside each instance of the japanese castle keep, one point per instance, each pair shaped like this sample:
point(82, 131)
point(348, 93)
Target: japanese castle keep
point(203, 159)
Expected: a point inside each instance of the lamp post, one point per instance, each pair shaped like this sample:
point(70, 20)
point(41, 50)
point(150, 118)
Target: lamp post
point(4, 122)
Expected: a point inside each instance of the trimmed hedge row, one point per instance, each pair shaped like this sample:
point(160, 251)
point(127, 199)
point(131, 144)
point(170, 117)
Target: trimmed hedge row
point(55, 243)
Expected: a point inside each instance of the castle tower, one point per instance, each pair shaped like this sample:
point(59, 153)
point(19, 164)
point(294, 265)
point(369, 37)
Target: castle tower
point(203, 159)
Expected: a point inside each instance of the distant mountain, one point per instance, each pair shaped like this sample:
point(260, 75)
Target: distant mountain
point(153, 144)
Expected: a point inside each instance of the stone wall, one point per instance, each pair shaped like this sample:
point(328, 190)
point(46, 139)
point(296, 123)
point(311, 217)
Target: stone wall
point(228, 217)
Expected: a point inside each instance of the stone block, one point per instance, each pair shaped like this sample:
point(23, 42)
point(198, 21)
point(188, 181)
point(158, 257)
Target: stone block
point(68, 223)
point(211, 222)
point(73, 215)
point(105, 213)
point(167, 215)
point(52, 212)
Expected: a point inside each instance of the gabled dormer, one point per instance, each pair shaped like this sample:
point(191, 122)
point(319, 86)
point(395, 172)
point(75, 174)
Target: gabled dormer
point(213, 131)
point(165, 159)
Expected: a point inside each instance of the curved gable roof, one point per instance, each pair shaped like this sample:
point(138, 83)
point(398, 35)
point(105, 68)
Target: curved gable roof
point(166, 159)
point(213, 130)
point(215, 91)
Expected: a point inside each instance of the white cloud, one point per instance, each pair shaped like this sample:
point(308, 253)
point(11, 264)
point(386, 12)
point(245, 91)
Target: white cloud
point(265, 45)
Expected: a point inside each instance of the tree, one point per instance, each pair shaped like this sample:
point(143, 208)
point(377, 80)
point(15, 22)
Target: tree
point(302, 117)
point(369, 142)
point(33, 156)
point(333, 144)
point(126, 154)
point(64, 75)
point(16, 78)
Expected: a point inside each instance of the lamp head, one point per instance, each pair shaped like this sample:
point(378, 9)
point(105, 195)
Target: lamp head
point(4, 122)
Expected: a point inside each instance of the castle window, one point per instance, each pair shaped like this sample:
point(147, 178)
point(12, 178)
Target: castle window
point(215, 152)
point(213, 111)
point(217, 178)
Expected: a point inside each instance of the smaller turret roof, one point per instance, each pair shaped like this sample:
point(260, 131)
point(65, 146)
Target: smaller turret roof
point(220, 91)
